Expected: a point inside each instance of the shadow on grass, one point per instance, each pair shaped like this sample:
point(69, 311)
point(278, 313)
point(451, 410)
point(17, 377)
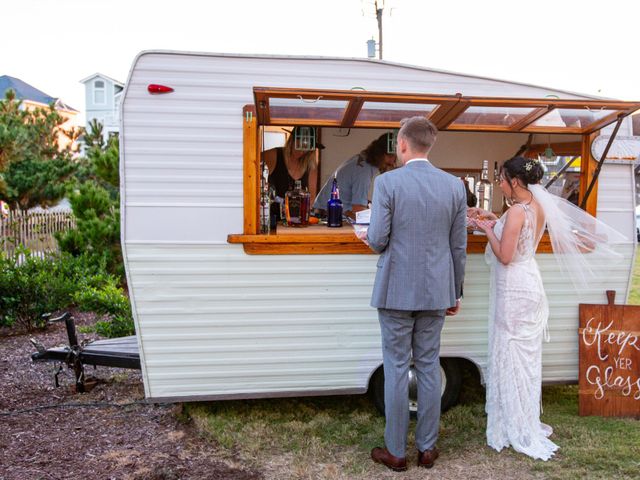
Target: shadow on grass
point(341, 430)
point(344, 427)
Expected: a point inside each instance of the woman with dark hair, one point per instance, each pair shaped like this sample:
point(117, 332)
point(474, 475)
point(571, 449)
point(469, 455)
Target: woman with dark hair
point(355, 177)
point(517, 317)
point(518, 308)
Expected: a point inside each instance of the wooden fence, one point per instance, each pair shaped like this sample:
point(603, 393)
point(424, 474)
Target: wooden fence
point(33, 230)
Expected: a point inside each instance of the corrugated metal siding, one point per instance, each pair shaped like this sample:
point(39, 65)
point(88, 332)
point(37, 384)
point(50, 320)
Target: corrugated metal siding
point(214, 321)
point(616, 197)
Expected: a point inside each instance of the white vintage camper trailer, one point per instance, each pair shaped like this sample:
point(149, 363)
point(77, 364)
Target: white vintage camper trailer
point(222, 311)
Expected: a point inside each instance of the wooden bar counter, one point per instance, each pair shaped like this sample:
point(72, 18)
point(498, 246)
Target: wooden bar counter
point(320, 239)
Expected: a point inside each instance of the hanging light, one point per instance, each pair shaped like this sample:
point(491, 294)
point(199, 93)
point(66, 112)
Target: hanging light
point(304, 138)
point(549, 155)
point(392, 140)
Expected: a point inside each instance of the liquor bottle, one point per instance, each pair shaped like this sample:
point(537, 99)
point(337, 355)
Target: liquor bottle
point(265, 202)
point(296, 206)
point(334, 206)
point(275, 210)
point(484, 188)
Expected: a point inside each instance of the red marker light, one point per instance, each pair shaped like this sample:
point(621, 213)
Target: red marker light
point(156, 89)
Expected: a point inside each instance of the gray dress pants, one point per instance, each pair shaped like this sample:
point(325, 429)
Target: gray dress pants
point(404, 332)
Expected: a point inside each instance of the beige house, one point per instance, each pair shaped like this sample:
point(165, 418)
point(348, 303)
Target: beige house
point(33, 98)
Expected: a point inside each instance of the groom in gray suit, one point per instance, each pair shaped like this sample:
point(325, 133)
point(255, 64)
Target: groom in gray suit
point(418, 227)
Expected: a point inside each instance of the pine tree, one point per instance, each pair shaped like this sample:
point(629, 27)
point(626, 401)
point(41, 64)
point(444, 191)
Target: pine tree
point(34, 168)
point(96, 205)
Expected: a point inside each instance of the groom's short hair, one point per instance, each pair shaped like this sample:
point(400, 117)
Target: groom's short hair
point(419, 132)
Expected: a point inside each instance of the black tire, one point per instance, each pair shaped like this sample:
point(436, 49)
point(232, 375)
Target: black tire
point(451, 380)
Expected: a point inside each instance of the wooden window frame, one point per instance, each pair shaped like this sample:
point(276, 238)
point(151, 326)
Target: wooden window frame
point(318, 240)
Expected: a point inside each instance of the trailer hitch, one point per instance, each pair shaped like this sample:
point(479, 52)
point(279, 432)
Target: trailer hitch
point(73, 351)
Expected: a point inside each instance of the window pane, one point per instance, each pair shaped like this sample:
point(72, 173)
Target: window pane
point(99, 84)
point(571, 117)
point(567, 184)
point(306, 108)
point(98, 96)
point(502, 116)
point(392, 112)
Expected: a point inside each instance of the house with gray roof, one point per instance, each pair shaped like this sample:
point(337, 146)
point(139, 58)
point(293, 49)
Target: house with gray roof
point(31, 95)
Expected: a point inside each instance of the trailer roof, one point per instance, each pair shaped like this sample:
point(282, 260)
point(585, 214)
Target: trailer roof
point(365, 109)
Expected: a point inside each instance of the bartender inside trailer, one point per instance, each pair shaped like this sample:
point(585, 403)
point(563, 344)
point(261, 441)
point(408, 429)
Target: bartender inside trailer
point(355, 176)
point(288, 164)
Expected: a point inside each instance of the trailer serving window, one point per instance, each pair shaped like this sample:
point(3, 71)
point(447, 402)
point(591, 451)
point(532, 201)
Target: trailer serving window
point(350, 109)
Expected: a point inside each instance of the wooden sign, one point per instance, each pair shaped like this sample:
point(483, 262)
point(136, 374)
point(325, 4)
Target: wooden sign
point(609, 338)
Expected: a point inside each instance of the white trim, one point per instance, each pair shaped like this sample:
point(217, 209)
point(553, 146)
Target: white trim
point(177, 243)
point(85, 80)
point(125, 258)
point(356, 59)
point(264, 394)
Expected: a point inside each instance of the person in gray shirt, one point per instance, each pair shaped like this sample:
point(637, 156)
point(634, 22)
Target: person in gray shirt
point(355, 177)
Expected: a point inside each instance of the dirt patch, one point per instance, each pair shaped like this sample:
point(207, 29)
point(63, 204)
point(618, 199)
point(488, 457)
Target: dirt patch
point(108, 433)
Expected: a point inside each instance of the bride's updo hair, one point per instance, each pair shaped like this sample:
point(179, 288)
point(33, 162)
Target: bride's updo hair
point(528, 170)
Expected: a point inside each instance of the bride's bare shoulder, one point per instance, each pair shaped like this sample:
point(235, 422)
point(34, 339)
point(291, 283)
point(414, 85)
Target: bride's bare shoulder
point(515, 213)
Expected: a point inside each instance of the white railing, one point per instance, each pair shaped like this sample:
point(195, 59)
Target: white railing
point(33, 230)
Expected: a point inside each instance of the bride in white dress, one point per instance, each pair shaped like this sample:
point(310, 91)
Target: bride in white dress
point(517, 317)
point(518, 307)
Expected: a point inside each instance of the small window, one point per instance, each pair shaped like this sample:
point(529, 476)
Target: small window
point(99, 97)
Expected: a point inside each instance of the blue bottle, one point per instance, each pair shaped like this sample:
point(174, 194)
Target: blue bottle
point(334, 206)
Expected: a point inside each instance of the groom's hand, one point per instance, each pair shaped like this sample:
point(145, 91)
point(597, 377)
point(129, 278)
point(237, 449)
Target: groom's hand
point(453, 310)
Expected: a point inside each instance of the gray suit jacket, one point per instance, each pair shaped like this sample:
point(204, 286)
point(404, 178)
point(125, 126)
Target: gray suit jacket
point(418, 225)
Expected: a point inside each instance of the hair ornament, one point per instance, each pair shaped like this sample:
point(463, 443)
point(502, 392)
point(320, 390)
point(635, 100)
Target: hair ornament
point(530, 164)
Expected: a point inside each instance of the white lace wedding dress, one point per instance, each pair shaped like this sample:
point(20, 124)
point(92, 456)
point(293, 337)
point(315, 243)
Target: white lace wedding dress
point(518, 315)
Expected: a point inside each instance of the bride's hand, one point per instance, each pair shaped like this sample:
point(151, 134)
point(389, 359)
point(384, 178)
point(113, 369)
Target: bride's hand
point(479, 213)
point(484, 225)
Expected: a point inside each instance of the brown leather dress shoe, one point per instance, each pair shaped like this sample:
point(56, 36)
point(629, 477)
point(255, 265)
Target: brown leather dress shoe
point(427, 458)
point(382, 455)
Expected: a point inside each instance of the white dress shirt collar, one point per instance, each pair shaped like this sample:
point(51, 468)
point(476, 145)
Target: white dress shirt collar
point(418, 160)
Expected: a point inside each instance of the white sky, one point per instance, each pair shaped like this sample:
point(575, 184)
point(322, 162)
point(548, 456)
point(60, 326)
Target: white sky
point(578, 45)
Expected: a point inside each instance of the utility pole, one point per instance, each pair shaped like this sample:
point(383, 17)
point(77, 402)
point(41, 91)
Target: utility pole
point(379, 18)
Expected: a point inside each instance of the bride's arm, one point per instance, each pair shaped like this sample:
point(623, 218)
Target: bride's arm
point(505, 248)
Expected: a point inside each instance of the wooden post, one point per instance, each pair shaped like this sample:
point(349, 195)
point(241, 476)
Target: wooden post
point(588, 167)
point(251, 169)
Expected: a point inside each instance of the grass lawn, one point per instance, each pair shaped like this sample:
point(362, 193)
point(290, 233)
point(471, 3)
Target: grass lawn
point(634, 295)
point(331, 437)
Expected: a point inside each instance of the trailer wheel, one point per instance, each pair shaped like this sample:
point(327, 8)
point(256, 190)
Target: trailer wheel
point(451, 383)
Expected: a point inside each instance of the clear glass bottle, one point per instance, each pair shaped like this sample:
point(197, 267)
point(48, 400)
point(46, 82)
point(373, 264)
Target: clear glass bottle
point(334, 206)
point(484, 189)
point(296, 206)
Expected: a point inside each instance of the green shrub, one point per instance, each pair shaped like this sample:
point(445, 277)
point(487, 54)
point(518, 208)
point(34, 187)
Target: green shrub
point(116, 327)
point(107, 299)
point(36, 286)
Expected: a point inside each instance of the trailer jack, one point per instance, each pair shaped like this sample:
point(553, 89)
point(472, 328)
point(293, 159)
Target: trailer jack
point(73, 351)
point(119, 352)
